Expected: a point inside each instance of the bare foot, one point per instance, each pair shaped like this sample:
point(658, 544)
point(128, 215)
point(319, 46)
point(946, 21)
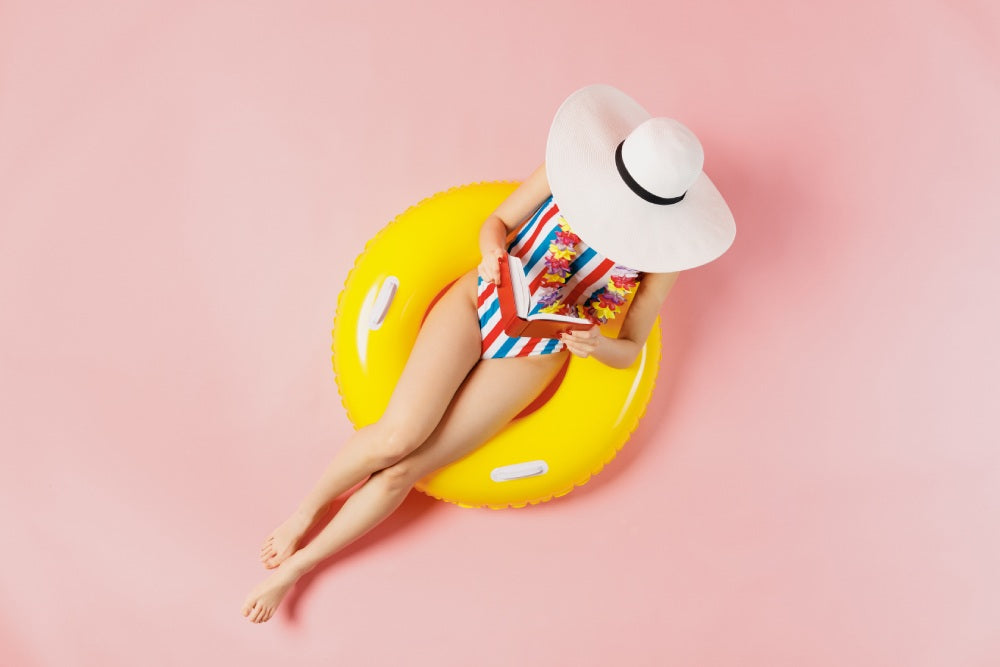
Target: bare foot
point(284, 540)
point(265, 597)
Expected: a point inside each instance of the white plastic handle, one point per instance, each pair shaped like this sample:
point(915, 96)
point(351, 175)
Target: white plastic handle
point(383, 300)
point(519, 471)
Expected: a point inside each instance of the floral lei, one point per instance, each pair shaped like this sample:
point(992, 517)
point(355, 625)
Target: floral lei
point(604, 304)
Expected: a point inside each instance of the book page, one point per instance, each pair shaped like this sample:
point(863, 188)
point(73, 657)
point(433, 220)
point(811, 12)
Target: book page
point(519, 284)
point(557, 317)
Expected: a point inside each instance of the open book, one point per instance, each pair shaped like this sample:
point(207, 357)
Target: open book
point(515, 302)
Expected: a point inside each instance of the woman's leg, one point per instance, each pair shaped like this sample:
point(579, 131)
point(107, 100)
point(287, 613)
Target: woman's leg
point(447, 346)
point(493, 393)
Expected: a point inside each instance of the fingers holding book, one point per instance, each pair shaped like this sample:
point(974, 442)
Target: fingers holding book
point(582, 343)
point(489, 268)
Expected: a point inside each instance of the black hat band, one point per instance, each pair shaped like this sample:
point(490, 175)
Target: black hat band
point(638, 189)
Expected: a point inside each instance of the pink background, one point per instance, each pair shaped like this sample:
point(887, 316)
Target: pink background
point(184, 186)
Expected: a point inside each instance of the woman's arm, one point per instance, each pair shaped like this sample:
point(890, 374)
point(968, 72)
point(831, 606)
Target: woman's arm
point(621, 352)
point(508, 217)
point(513, 211)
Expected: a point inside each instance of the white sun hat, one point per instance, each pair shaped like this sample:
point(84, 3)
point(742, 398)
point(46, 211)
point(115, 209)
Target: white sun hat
point(631, 186)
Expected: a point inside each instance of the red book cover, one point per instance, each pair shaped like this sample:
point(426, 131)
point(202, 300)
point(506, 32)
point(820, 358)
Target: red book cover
point(513, 292)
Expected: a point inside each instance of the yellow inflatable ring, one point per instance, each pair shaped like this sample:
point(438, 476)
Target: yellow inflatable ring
point(556, 443)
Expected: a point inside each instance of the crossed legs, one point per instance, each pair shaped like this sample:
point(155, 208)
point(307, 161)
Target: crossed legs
point(446, 403)
point(446, 348)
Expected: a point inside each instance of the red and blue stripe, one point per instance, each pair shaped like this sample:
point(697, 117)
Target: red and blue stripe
point(589, 272)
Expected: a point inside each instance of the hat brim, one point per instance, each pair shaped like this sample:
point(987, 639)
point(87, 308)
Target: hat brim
point(603, 211)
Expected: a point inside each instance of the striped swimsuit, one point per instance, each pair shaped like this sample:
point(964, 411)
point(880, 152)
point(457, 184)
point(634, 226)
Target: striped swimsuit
point(589, 273)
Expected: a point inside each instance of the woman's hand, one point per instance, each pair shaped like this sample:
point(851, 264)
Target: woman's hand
point(583, 343)
point(489, 268)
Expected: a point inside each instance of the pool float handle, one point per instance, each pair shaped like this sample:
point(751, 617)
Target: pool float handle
point(383, 300)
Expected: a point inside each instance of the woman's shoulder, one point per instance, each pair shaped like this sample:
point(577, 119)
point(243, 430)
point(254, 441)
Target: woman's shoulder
point(659, 276)
point(656, 282)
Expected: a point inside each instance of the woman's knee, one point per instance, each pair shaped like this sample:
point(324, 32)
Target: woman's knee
point(397, 476)
point(396, 439)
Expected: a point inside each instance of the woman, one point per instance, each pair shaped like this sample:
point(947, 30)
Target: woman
point(629, 184)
